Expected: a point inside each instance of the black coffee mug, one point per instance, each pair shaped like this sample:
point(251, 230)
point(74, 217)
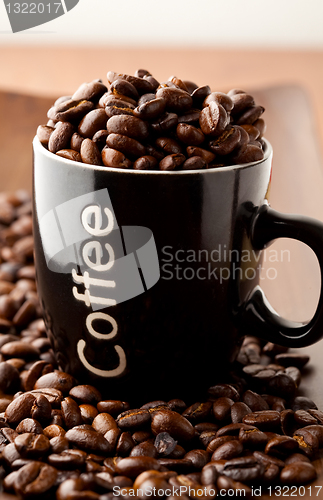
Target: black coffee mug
point(141, 277)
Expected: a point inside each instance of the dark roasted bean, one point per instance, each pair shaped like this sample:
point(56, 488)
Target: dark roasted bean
point(220, 98)
point(266, 420)
point(88, 440)
point(88, 413)
point(250, 115)
point(130, 126)
point(43, 133)
point(115, 159)
point(164, 444)
point(226, 142)
point(71, 413)
point(216, 442)
point(238, 411)
point(146, 162)
point(90, 153)
point(76, 141)
point(172, 161)
point(69, 154)
point(189, 135)
point(222, 409)
point(190, 117)
point(173, 423)
point(144, 449)
point(133, 419)
point(92, 122)
point(31, 445)
point(168, 145)
point(206, 155)
point(124, 87)
point(91, 91)
point(142, 86)
point(126, 145)
point(213, 119)
point(228, 450)
point(298, 473)
point(70, 111)
point(245, 469)
point(58, 380)
point(151, 109)
point(125, 444)
point(133, 466)
point(85, 394)
point(254, 401)
point(20, 408)
point(177, 100)
point(197, 411)
point(253, 438)
point(165, 123)
point(199, 458)
point(114, 407)
point(103, 423)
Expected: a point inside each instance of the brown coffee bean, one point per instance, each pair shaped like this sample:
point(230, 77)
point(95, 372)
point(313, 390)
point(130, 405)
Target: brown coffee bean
point(133, 466)
point(304, 418)
point(213, 119)
point(100, 138)
point(164, 444)
point(228, 450)
point(238, 411)
point(29, 425)
point(85, 394)
point(248, 154)
point(32, 445)
point(190, 117)
point(67, 459)
point(91, 91)
point(254, 401)
point(177, 100)
point(130, 126)
point(19, 408)
point(296, 457)
point(54, 430)
point(298, 473)
point(200, 93)
point(265, 420)
point(216, 442)
point(70, 111)
point(69, 154)
point(222, 409)
point(103, 423)
point(165, 123)
point(90, 153)
point(316, 414)
point(245, 469)
point(125, 88)
point(226, 142)
point(172, 161)
point(281, 385)
point(9, 377)
point(53, 395)
point(253, 438)
point(57, 380)
point(198, 412)
point(34, 479)
point(253, 133)
point(199, 458)
point(250, 115)
point(281, 445)
point(146, 448)
point(231, 429)
point(71, 413)
point(206, 155)
point(19, 349)
point(115, 159)
point(308, 442)
point(133, 419)
point(189, 135)
point(114, 407)
point(60, 137)
point(302, 403)
point(76, 141)
point(125, 444)
point(146, 162)
point(88, 413)
point(151, 109)
point(43, 133)
point(291, 359)
point(142, 86)
point(179, 465)
point(88, 440)
point(287, 422)
point(126, 145)
point(58, 444)
point(219, 98)
point(41, 409)
point(315, 430)
point(241, 101)
point(173, 423)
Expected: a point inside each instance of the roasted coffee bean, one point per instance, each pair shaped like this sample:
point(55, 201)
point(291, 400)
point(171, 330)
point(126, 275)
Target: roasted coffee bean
point(298, 473)
point(168, 145)
point(145, 163)
point(220, 98)
point(130, 126)
point(70, 111)
point(231, 429)
point(238, 411)
point(308, 442)
point(19, 349)
point(198, 412)
point(199, 458)
point(88, 413)
point(216, 442)
point(133, 419)
point(213, 119)
point(126, 145)
point(248, 154)
point(125, 444)
point(58, 380)
point(90, 153)
point(133, 466)
point(100, 138)
point(58, 444)
point(206, 427)
point(266, 420)
point(164, 444)
point(142, 86)
point(206, 155)
point(190, 117)
point(225, 483)
point(254, 401)
point(222, 409)
point(92, 122)
point(253, 133)
point(85, 394)
point(88, 440)
point(200, 93)
point(67, 459)
point(69, 154)
point(60, 137)
point(241, 101)
point(53, 395)
point(287, 422)
point(228, 450)
point(41, 409)
point(43, 133)
point(114, 407)
point(173, 423)
point(296, 457)
point(253, 438)
point(177, 100)
point(189, 135)
point(226, 142)
point(20, 408)
point(245, 469)
point(165, 123)
point(9, 377)
point(144, 449)
point(250, 115)
point(104, 422)
point(115, 159)
point(71, 413)
point(172, 161)
point(125, 88)
point(29, 425)
point(291, 359)
point(281, 445)
point(302, 403)
point(304, 418)
point(315, 430)
point(54, 430)
point(34, 479)
point(150, 109)
point(31, 445)
point(91, 91)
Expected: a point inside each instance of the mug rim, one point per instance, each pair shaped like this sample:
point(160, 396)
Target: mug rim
point(39, 147)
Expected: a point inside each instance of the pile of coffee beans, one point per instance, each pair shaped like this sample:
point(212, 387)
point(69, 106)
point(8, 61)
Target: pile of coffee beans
point(142, 124)
point(62, 440)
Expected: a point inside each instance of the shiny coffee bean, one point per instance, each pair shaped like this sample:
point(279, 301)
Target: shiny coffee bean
point(146, 162)
point(226, 142)
point(189, 135)
point(151, 109)
point(164, 444)
point(194, 163)
point(173, 423)
point(91, 91)
point(171, 162)
point(298, 473)
point(115, 159)
point(213, 119)
point(133, 419)
point(220, 98)
point(69, 154)
point(60, 137)
point(90, 153)
point(124, 87)
point(129, 126)
point(70, 111)
point(128, 146)
point(177, 100)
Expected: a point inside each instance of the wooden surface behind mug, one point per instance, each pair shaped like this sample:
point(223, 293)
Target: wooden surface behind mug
point(297, 186)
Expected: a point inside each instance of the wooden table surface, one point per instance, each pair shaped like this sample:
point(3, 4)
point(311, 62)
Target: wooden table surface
point(288, 84)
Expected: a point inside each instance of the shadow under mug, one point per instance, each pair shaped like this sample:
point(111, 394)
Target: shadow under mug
point(141, 277)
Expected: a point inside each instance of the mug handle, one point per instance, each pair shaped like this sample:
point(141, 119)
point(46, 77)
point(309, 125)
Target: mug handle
point(258, 317)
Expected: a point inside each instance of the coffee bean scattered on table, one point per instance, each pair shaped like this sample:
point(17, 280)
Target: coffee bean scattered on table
point(62, 440)
point(141, 124)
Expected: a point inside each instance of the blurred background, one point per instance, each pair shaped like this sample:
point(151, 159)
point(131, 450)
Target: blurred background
point(271, 48)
